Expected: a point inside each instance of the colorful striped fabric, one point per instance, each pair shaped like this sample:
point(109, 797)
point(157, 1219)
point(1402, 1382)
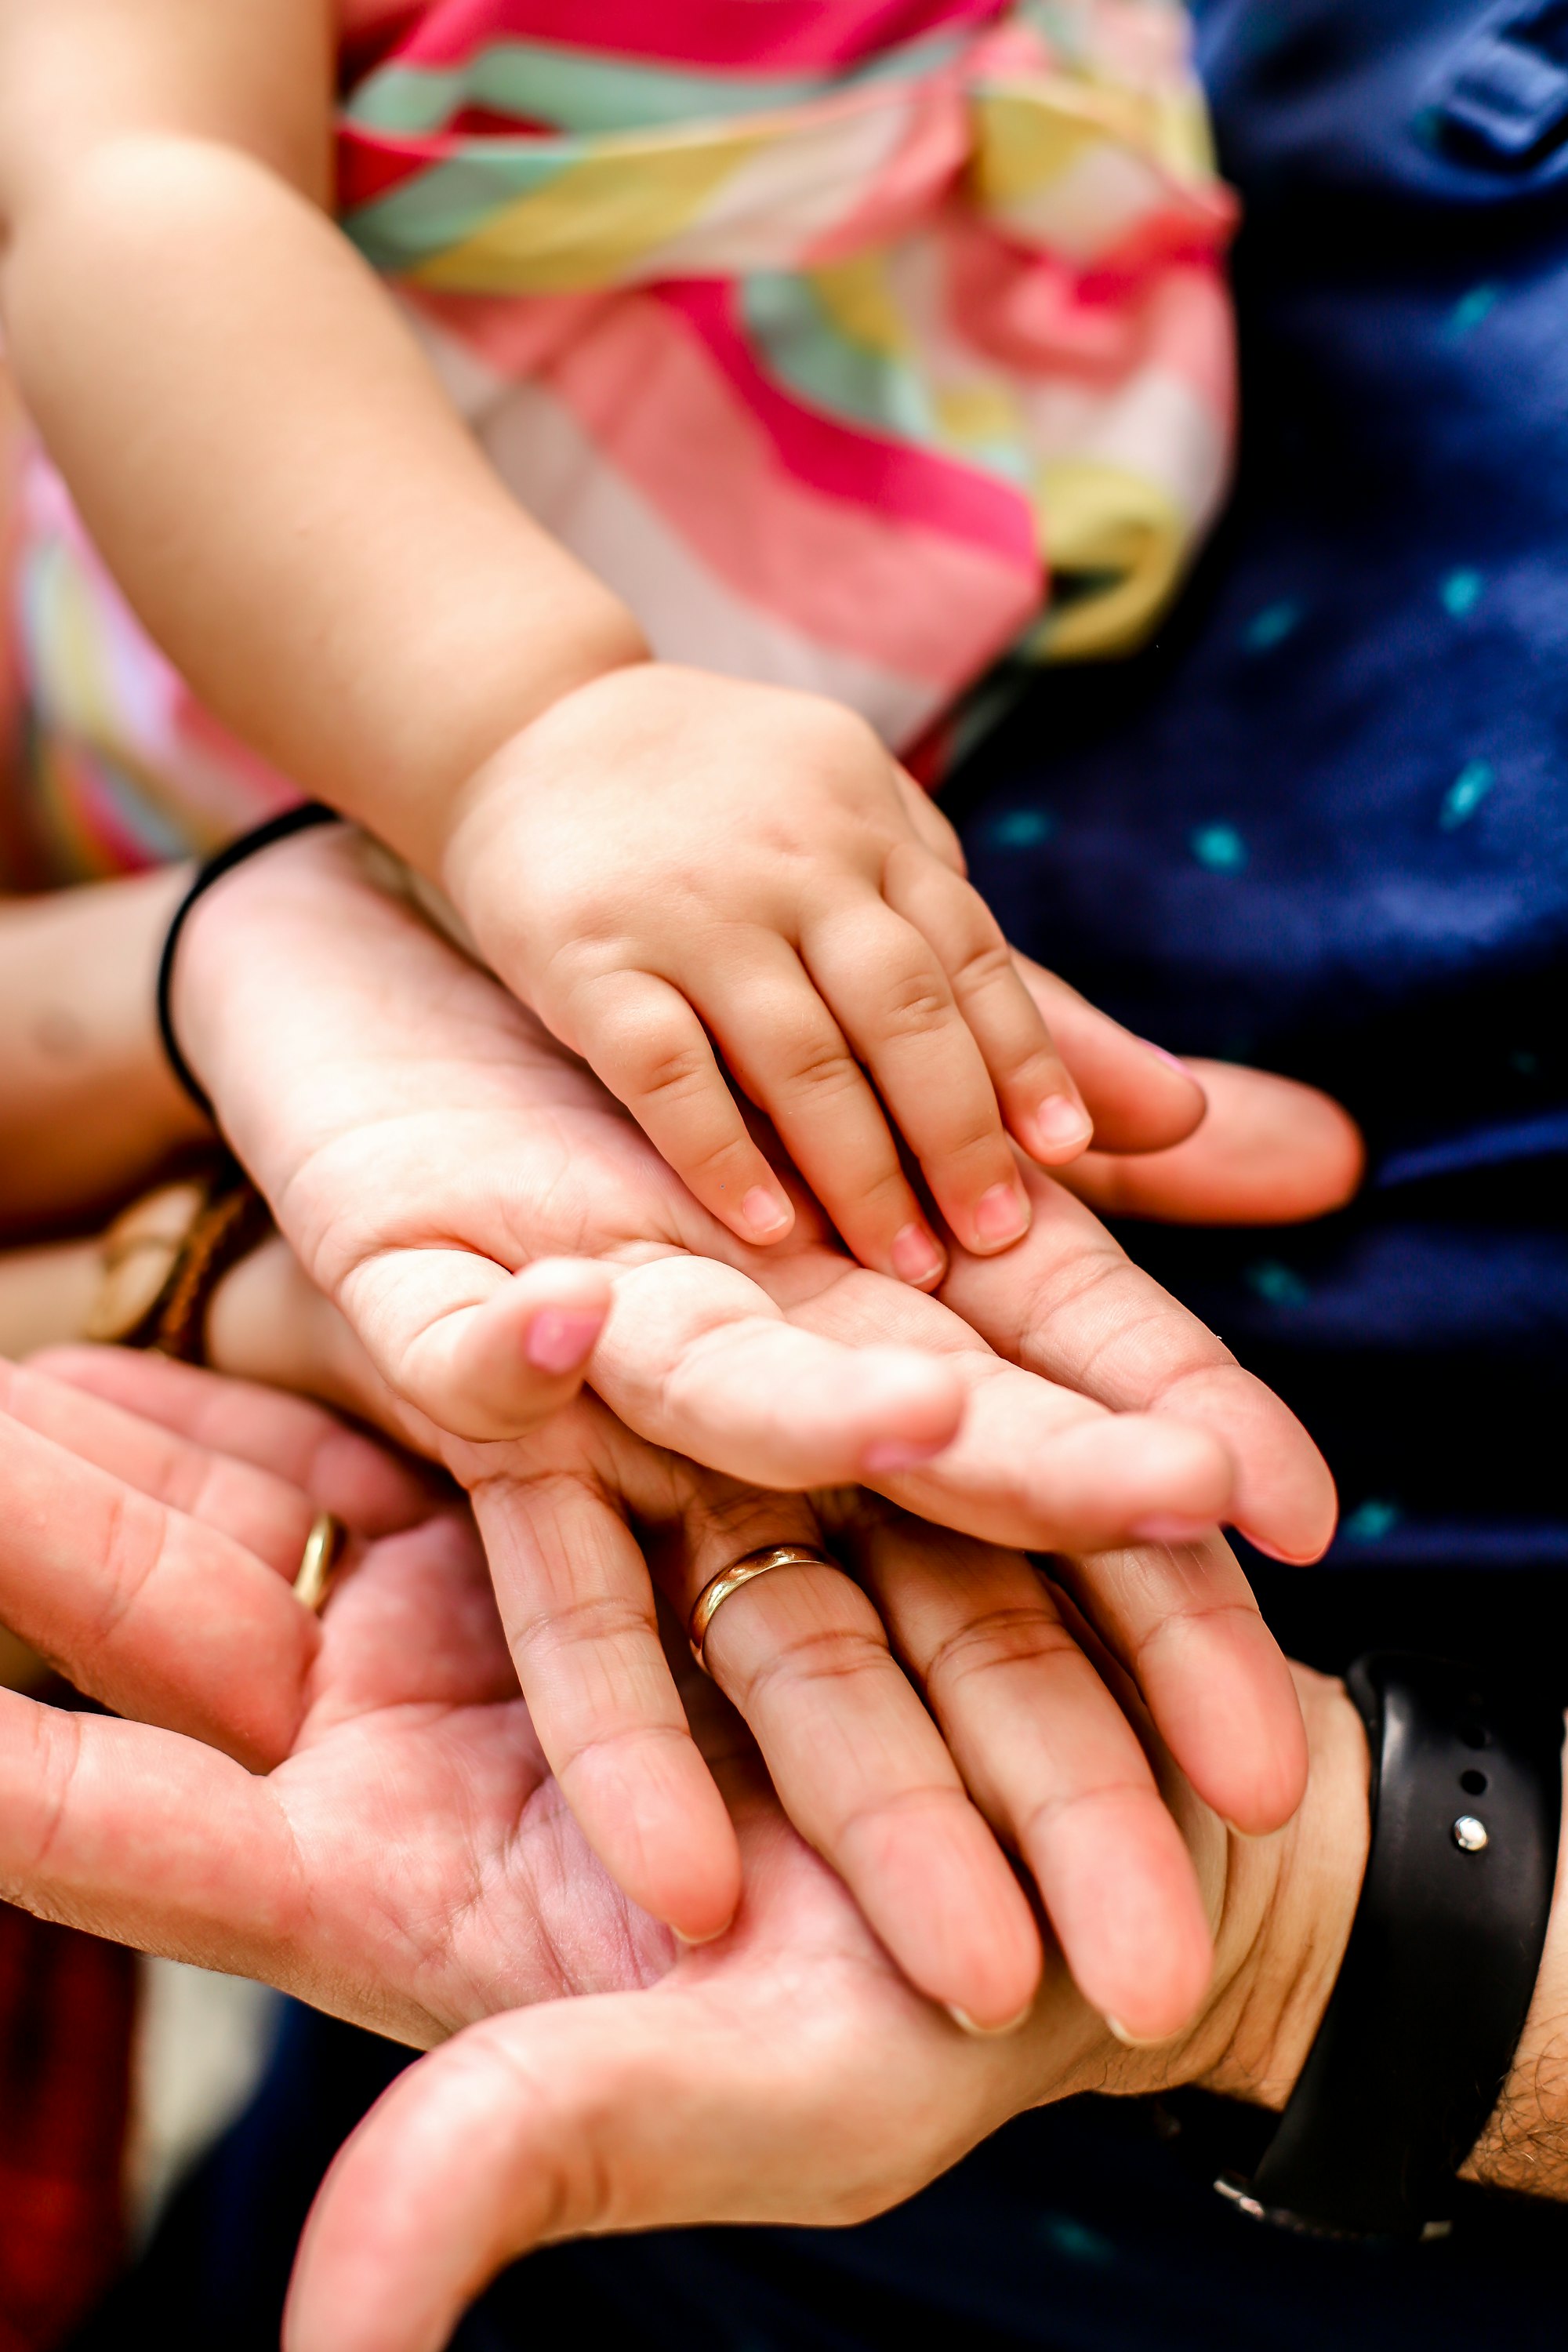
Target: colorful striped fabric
point(856, 343)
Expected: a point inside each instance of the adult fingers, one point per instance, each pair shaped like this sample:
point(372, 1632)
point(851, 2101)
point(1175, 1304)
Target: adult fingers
point(1055, 1765)
point(1141, 1097)
point(142, 1836)
point(759, 1398)
point(341, 1470)
point(1270, 1153)
point(791, 1056)
point(578, 1609)
point(485, 1353)
point(857, 1763)
point(697, 1358)
point(1069, 1304)
point(640, 1036)
point(1040, 1101)
point(265, 1514)
point(885, 987)
point(145, 1609)
point(1182, 1619)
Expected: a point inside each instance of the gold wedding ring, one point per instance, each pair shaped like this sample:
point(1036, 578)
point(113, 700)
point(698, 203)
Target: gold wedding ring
point(317, 1560)
point(744, 1570)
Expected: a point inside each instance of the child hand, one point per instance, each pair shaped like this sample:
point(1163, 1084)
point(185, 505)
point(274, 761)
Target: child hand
point(669, 867)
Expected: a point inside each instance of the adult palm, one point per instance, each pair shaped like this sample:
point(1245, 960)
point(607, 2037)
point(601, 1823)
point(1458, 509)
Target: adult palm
point(421, 1140)
point(355, 1810)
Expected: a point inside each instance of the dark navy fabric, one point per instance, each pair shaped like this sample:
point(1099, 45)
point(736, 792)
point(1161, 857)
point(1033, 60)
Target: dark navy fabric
point(1072, 2230)
point(1323, 825)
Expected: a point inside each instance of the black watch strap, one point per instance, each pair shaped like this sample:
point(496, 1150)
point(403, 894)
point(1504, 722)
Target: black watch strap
point(1436, 1980)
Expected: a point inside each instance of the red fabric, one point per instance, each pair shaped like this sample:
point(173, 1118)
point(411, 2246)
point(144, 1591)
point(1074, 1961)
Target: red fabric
point(67, 2003)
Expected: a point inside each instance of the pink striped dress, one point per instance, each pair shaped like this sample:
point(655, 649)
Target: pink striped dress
point(856, 344)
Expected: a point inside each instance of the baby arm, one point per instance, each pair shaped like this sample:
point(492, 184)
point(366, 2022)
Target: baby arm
point(667, 866)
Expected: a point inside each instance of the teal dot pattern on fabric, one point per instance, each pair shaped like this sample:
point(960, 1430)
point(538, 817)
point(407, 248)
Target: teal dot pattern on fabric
point(1470, 309)
point(1461, 592)
point(1371, 1520)
point(1271, 626)
point(1065, 2235)
point(1025, 828)
point(1276, 1284)
point(1465, 793)
point(1219, 847)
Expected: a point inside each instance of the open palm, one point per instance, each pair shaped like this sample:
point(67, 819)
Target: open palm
point(355, 1810)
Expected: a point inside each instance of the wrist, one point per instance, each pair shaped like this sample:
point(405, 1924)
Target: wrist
point(1291, 1901)
point(1524, 2146)
point(598, 638)
point(1283, 1906)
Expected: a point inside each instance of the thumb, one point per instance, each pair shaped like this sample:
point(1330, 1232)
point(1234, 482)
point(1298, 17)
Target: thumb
point(625, 2111)
point(1270, 1152)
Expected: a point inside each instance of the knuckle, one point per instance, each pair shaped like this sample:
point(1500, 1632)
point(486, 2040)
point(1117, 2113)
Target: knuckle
point(838, 1654)
point(1025, 1635)
point(981, 968)
point(668, 1069)
point(915, 1004)
point(821, 1069)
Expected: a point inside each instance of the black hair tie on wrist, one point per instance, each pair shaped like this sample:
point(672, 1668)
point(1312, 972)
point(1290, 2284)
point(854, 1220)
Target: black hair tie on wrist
point(303, 819)
point(1421, 2028)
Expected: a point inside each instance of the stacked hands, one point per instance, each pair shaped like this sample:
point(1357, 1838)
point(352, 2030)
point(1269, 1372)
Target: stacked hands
point(973, 1748)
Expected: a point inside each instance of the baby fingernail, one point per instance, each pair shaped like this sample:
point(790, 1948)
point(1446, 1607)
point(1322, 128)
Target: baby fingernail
point(967, 2024)
point(1171, 1527)
point(558, 1342)
point(916, 1257)
point(764, 1215)
point(1059, 1123)
point(1002, 1214)
point(900, 1454)
point(1159, 1053)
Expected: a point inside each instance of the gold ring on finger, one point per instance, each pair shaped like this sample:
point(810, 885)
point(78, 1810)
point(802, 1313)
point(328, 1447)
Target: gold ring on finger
point(313, 1578)
point(744, 1570)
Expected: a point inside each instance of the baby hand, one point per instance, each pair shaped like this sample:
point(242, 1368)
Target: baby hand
point(670, 866)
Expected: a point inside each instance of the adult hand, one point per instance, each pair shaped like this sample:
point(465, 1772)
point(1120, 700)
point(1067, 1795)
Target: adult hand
point(420, 1138)
point(397, 1851)
point(871, 1763)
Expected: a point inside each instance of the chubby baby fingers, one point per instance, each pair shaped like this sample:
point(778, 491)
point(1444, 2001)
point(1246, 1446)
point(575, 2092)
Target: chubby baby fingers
point(642, 1038)
point(1038, 1096)
point(885, 986)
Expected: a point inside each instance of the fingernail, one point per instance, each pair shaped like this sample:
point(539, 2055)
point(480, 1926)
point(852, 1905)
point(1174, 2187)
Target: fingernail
point(916, 1257)
point(900, 1453)
point(1061, 1123)
point(1173, 1061)
point(695, 1942)
point(559, 1342)
point(1002, 1214)
point(1172, 1528)
point(967, 2024)
point(1135, 2041)
point(764, 1215)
